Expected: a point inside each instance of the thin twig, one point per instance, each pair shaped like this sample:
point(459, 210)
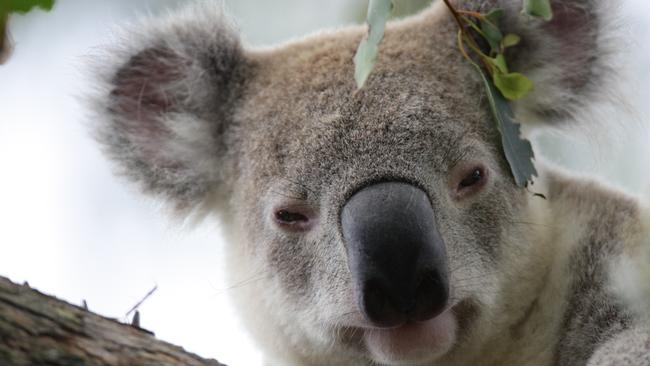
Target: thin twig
point(136, 306)
point(474, 14)
point(458, 16)
point(454, 13)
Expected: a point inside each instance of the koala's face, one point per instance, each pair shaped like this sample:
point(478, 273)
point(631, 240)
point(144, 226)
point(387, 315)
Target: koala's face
point(379, 225)
point(378, 214)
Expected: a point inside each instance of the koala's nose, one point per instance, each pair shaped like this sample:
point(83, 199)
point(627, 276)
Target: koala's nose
point(395, 254)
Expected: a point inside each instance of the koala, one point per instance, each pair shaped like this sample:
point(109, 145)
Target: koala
point(383, 226)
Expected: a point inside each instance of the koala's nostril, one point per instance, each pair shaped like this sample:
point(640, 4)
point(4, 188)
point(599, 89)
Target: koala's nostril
point(431, 295)
point(395, 254)
point(376, 304)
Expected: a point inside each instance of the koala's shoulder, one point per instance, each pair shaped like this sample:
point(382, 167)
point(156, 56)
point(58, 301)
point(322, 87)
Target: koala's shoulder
point(591, 202)
point(603, 224)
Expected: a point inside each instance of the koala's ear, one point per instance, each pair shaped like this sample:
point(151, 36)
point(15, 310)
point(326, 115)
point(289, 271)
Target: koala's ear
point(568, 58)
point(166, 103)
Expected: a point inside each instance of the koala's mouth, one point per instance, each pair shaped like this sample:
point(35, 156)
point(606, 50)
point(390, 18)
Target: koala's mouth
point(411, 343)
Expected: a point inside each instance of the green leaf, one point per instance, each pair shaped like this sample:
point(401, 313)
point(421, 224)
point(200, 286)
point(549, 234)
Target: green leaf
point(518, 151)
point(500, 63)
point(512, 85)
point(490, 29)
point(5, 45)
point(539, 8)
point(23, 6)
point(16, 6)
point(495, 16)
point(510, 40)
point(366, 56)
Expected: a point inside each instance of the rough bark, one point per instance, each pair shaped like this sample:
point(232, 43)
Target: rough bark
point(40, 330)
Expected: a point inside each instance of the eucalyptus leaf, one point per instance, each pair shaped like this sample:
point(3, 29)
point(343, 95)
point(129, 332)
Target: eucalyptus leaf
point(518, 151)
point(510, 40)
point(5, 45)
point(492, 34)
point(23, 6)
point(490, 29)
point(500, 63)
point(539, 8)
point(501, 85)
point(512, 85)
point(364, 60)
point(7, 7)
point(495, 16)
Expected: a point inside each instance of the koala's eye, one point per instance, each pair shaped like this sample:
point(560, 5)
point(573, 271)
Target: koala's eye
point(293, 219)
point(288, 217)
point(473, 178)
point(468, 180)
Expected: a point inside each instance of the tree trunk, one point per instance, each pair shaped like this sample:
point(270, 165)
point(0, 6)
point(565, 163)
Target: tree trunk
point(40, 330)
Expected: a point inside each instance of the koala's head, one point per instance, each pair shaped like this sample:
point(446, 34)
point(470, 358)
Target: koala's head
point(380, 225)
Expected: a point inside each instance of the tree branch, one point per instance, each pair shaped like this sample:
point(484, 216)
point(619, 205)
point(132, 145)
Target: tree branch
point(36, 329)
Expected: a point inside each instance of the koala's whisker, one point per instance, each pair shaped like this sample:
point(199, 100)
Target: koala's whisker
point(475, 288)
point(473, 281)
point(336, 275)
point(471, 291)
point(247, 281)
point(338, 316)
point(451, 153)
point(465, 265)
point(482, 275)
point(301, 185)
point(301, 205)
point(531, 224)
point(460, 157)
point(472, 285)
point(282, 194)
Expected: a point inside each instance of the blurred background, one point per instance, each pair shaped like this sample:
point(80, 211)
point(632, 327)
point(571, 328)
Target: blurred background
point(70, 228)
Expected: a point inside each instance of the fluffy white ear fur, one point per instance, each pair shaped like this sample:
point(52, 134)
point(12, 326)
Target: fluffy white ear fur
point(630, 277)
point(163, 102)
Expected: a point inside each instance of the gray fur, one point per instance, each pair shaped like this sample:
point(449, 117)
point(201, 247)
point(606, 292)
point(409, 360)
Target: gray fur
point(594, 314)
point(286, 127)
point(627, 348)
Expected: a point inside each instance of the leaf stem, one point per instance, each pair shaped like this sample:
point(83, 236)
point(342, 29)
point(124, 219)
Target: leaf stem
point(454, 12)
point(474, 26)
point(461, 46)
point(474, 46)
point(474, 14)
point(461, 21)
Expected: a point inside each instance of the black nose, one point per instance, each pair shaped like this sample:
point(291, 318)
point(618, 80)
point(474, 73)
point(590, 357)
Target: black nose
point(395, 254)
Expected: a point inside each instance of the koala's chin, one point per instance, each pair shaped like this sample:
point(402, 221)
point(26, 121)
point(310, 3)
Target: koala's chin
point(413, 343)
